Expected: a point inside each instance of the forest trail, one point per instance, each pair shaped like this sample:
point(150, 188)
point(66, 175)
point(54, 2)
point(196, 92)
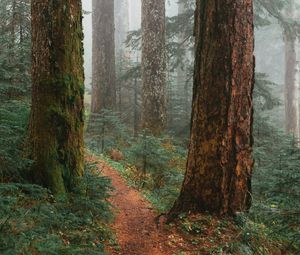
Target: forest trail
point(136, 230)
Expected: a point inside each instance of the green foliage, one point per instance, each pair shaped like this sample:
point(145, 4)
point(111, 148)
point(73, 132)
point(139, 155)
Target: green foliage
point(276, 184)
point(32, 221)
point(14, 86)
point(151, 156)
point(105, 131)
point(212, 235)
point(263, 97)
point(276, 177)
point(14, 119)
point(15, 57)
point(156, 166)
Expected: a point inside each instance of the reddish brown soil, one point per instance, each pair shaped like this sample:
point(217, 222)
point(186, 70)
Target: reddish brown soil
point(138, 233)
point(135, 226)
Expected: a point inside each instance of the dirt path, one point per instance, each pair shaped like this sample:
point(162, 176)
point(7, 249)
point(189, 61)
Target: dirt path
point(135, 227)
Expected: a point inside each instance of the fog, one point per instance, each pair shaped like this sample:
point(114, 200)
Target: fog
point(134, 14)
point(186, 123)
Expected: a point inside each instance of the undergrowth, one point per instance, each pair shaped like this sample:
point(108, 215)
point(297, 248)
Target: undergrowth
point(32, 221)
point(271, 226)
point(209, 235)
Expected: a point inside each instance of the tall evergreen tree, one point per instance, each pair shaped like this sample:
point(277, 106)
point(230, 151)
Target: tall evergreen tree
point(15, 47)
point(219, 166)
point(291, 90)
point(183, 44)
point(153, 65)
point(121, 24)
point(56, 124)
point(104, 76)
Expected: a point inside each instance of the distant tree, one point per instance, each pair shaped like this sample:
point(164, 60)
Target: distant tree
point(153, 65)
point(57, 114)
point(291, 92)
point(182, 72)
point(122, 54)
point(15, 35)
point(121, 24)
point(104, 77)
point(219, 166)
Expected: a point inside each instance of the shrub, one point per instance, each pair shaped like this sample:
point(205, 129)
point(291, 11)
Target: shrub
point(32, 221)
point(14, 119)
point(105, 132)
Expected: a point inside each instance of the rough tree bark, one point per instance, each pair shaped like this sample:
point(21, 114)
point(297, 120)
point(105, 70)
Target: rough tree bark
point(56, 124)
point(219, 166)
point(291, 77)
point(153, 65)
point(104, 76)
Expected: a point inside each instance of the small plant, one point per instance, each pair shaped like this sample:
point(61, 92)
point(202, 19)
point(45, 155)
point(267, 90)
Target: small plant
point(105, 132)
point(14, 118)
point(32, 221)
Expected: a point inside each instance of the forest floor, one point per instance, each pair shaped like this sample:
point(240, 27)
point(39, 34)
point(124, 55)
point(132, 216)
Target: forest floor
point(138, 232)
point(135, 226)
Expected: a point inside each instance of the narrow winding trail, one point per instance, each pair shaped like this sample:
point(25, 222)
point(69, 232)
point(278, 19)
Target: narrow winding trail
point(136, 230)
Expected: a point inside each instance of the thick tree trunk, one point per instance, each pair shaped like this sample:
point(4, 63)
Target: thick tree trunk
point(56, 124)
point(219, 166)
point(153, 65)
point(104, 76)
point(291, 78)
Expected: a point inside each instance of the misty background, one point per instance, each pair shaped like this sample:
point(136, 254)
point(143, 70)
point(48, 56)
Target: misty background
point(269, 49)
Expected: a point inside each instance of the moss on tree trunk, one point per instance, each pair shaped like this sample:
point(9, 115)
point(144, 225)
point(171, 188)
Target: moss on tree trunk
point(57, 115)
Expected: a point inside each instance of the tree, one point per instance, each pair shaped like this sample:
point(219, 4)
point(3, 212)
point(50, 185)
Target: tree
point(15, 47)
point(153, 65)
point(122, 55)
point(57, 114)
point(291, 94)
point(104, 77)
point(121, 24)
point(182, 78)
point(219, 166)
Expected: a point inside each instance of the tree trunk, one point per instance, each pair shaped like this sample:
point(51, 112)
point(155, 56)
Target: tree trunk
point(153, 65)
point(56, 124)
point(135, 108)
point(291, 77)
point(122, 25)
point(104, 76)
point(219, 166)
point(181, 69)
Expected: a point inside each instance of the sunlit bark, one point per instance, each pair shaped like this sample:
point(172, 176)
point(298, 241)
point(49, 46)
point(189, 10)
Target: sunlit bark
point(219, 166)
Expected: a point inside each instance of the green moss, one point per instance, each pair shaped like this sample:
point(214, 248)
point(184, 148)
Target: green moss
point(57, 134)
